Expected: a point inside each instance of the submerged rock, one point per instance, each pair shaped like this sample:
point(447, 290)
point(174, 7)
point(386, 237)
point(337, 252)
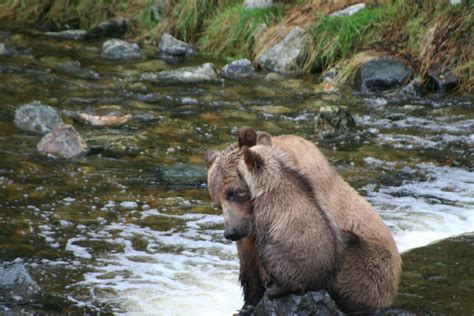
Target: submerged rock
point(63, 142)
point(382, 74)
point(251, 4)
point(350, 10)
point(443, 79)
point(75, 69)
point(170, 47)
point(333, 120)
point(205, 72)
point(109, 28)
point(16, 282)
point(239, 69)
point(286, 56)
point(68, 34)
point(311, 303)
point(36, 117)
point(118, 49)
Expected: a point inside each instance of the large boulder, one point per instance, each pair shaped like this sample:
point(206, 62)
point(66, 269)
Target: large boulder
point(333, 121)
point(170, 47)
point(239, 69)
point(251, 4)
point(382, 74)
point(286, 56)
point(109, 28)
point(63, 142)
point(311, 303)
point(204, 72)
point(36, 117)
point(68, 34)
point(118, 49)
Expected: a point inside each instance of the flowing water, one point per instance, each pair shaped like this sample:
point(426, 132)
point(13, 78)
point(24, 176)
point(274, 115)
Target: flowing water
point(130, 227)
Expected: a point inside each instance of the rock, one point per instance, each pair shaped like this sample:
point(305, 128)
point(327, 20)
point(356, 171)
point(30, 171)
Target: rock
point(182, 175)
point(170, 47)
point(109, 28)
point(239, 69)
point(74, 68)
point(68, 34)
point(455, 2)
point(118, 49)
point(382, 74)
point(63, 142)
point(205, 72)
point(285, 56)
point(99, 120)
point(350, 10)
point(116, 145)
point(7, 51)
point(273, 76)
point(158, 10)
point(16, 282)
point(411, 90)
point(333, 121)
point(37, 118)
point(443, 80)
point(251, 4)
point(311, 303)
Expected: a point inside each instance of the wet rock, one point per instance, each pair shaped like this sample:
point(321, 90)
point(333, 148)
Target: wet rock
point(75, 69)
point(99, 120)
point(286, 56)
point(205, 72)
point(251, 4)
point(311, 303)
point(36, 117)
point(16, 282)
point(7, 51)
point(382, 74)
point(333, 120)
point(109, 28)
point(239, 69)
point(411, 90)
point(116, 145)
point(350, 10)
point(118, 49)
point(170, 47)
point(182, 175)
point(63, 142)
point(68, 34)
point(443, 79)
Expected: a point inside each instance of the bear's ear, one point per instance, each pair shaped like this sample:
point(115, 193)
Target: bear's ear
point(252, 159)
point(246, 136)
point(263, 138)
point(209, 157)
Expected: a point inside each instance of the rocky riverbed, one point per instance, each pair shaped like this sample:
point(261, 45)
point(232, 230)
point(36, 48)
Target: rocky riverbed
point(125, 224)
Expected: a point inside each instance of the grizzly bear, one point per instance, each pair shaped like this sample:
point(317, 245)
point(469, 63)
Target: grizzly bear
point(368, 266)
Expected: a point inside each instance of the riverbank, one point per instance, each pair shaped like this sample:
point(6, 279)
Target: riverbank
point(433, 39)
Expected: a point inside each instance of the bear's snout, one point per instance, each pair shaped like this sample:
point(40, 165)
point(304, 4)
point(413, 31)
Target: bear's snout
point(231, 234)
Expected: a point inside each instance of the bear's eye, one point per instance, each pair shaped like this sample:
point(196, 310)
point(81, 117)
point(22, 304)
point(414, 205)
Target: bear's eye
point(236, 195)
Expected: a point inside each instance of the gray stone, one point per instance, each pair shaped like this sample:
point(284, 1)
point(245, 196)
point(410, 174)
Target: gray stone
point(312, 303)
point(172, 47)
point(205, 72)
point(68, 34)
point(443, 80)
point(239, 69)
point(411, 90)
point(7, 51)
point(286, 56)
point(333, 121)
point(251, 4)
point(36, 117)
point(74, 68)
point(382, 74)
point(109, 28)
point(158, 10)
point(16, 282)
point(63, 142)
point(350, 10)
point(118, 49)
point(455, 2)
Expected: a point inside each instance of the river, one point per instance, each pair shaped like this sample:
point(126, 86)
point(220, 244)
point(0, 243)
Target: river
point(130, 227)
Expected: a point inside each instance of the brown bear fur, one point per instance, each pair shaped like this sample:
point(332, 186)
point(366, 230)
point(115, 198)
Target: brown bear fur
point(284, 206)
point(369, 269)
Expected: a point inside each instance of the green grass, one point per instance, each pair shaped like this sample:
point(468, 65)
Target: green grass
point(232, 31)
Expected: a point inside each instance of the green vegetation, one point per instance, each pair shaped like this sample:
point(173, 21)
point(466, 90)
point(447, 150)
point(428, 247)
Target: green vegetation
point(233, 31)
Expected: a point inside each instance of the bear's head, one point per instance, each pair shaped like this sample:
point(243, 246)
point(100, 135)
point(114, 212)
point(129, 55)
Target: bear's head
point(227, 187)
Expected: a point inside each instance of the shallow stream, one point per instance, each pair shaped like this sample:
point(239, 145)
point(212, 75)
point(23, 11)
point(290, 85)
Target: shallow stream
point(130, 227)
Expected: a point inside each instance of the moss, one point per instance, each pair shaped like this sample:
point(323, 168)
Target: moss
point(232, 31)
